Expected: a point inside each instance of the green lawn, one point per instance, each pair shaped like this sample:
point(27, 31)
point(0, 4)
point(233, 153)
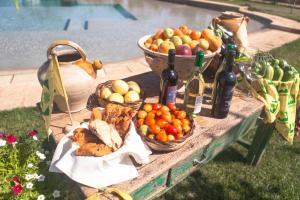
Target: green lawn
point(279, 10)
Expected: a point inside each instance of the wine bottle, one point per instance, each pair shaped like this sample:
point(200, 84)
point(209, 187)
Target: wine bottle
point(224, 85)
point(168, 81)
point(194, 87)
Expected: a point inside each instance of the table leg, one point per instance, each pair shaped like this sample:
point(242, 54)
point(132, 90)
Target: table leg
point(259, 143)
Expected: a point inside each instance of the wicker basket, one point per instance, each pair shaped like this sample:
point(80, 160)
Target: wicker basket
point(184, 65)
point(166, 146)
point(102, 102)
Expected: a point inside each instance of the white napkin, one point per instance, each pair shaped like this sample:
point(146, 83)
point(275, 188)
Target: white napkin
point(100, 171)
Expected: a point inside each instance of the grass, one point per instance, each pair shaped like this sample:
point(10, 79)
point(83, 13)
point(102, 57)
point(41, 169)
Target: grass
point(273, 9)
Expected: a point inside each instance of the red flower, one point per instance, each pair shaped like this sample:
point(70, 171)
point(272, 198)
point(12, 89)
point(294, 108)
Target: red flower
point(2, 135)
point(11, 139)
point(16, 179)
point(32, 133)
point(17, 189)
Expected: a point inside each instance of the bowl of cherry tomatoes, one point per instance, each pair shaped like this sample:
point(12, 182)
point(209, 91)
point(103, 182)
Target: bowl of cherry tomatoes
point(164, 128)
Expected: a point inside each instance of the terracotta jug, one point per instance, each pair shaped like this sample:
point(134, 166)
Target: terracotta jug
point(78, 74)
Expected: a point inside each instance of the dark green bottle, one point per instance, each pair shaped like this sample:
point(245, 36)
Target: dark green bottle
point(224, 85)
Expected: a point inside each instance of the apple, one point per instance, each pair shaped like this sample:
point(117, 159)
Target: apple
point(176, 40)
point(168, 33)
point(196, 49)
point(165, 46)
point(158, 41)
point(186, 39)
point(194, 43)
point(147, 45)
point(183, 50)
point(203, 44)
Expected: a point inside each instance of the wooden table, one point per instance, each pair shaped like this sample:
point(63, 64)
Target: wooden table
point(211, 136)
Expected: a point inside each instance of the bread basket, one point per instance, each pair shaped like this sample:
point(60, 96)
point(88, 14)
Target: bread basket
point(135, 106)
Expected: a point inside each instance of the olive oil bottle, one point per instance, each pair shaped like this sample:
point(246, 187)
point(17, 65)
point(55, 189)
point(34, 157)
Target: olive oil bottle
point(194, 87)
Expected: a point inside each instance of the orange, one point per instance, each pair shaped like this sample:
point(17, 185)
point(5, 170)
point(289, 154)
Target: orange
point(184, 29)
point(153, 47)
point(159, 34)
point(195, 35)
point(178, 32)
point(149, 40)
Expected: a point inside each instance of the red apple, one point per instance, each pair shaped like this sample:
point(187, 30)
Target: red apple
point(183, 50)
point(196, 49)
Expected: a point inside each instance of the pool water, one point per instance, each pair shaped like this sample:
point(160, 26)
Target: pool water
point(105, 29)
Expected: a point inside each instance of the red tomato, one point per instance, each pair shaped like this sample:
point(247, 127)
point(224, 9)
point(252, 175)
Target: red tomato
point(155, 129)
point(140, 122)
point(172, 106)
point(185, 121)
point(161, 123)
point(181, 115)
point(164, 109)
point(167, 117)
point(178, 136)
point(176, 122)
point(186, 128)
point(162, 136)
point(147, 107)
point(151, 114)
point(150, 121)
point(170, 129)
point(178, 128)
point(156, 106)
point(175, 112)
point(159, 113)
point(142, 114)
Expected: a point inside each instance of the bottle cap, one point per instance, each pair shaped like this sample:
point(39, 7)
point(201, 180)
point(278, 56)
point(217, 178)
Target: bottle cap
point(171, 56)
point(231, 46)
point(199, 59)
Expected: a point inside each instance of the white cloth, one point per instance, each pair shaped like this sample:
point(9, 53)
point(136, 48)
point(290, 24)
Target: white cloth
point(100, 171)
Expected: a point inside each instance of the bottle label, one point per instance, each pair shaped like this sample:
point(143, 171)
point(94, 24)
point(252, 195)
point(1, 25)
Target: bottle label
point(198, 104)
point(171, 94)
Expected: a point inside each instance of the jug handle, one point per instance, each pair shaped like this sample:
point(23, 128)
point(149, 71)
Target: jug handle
point(66, 43)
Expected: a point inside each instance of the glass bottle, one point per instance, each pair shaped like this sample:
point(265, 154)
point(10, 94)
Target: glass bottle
point(194, 87)
point(168, 81)
point(224, 85)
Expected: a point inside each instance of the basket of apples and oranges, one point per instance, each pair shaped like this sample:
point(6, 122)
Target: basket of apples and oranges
point(164, 128)
point(186, 42)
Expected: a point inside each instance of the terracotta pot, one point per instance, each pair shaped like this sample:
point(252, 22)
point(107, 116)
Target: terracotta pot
point(77, 73)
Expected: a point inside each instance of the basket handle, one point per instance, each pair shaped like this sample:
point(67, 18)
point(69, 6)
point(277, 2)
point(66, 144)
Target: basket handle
point(66, 43)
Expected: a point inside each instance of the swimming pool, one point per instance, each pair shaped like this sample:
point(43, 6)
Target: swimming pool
point(106, 29)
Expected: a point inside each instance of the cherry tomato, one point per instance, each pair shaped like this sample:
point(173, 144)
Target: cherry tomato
point(167, 117)
point(170, 129)
point(175, 112)
point(155, 129)
point(151, 136)
point(156, 106)
point(159, 113)
point(151, 114)
point(178, 136)
point(171, 137)
point(181, 115)
point(147, 107)
point(149, 121)
point(140, 122)
point(172, 106)
point(178, 128)
point(142, 114)
point(185, 121)
point(176, 122)
point(162, 136)
point(186, 128)
point(165, 109)
point(161, 123)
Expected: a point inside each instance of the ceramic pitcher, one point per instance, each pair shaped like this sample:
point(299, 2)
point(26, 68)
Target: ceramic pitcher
point(78, 74)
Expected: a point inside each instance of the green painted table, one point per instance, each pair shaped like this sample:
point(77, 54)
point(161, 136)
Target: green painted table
point(211, 136)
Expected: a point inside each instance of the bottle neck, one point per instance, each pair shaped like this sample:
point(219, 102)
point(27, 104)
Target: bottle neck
point(171, 66)
point(230, 61)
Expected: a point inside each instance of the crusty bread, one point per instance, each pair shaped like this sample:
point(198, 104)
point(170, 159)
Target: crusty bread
point(93, 149)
